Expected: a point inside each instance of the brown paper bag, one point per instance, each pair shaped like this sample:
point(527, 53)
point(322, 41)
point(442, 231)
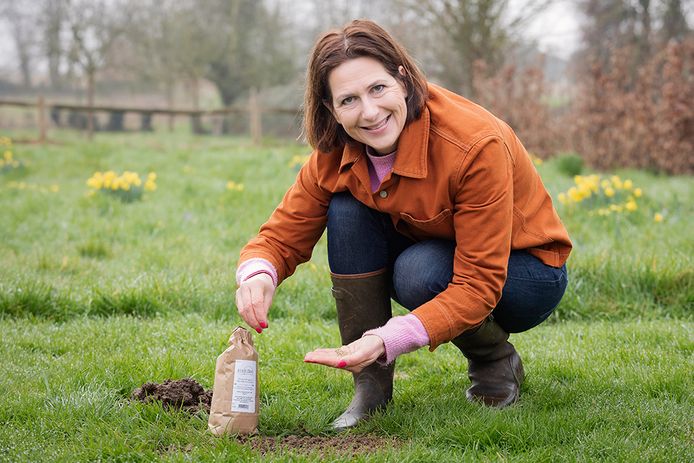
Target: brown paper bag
point(236, 394)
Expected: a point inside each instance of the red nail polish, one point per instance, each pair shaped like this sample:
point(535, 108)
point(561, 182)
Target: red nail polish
point(259, 330)
point(263, 325)
point(342, 364)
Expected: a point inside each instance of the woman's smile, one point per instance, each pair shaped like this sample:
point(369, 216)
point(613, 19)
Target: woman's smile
point(379, 126)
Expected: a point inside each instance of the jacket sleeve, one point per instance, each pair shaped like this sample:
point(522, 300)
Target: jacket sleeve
point(288, 237)
point(483, 219)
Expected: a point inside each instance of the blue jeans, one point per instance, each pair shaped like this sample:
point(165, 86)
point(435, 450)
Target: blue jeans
point(362, 240)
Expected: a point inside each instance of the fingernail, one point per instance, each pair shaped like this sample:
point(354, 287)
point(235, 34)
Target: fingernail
point(263, 325)
point(342, 364)
point(259, 330)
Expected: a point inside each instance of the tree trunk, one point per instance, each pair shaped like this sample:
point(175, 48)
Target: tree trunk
point(170, 103)
point(90, 102)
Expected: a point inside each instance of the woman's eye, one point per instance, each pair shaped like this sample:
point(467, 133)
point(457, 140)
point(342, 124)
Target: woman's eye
point(379, 88)
point(348, 100)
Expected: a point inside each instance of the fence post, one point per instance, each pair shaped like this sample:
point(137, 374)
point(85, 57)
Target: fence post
point(41, 110)
point(255, 117)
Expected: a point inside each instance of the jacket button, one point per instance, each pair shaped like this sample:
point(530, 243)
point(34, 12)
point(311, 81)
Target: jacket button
point(383, 194)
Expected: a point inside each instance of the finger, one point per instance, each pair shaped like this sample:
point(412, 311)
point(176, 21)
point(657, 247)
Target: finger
point(269, 293)
point(327, 357)
point(246, 308)
point(259, 305)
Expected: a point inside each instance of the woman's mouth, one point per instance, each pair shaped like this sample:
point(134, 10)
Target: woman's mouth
point(379, 126)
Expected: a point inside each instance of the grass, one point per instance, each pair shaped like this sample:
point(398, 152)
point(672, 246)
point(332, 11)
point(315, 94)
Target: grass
point(98, 296)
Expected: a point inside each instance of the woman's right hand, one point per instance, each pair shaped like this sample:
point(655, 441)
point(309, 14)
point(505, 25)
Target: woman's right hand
point(253, 299)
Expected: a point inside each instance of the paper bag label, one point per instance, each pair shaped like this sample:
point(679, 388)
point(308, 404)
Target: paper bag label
point(243, 395)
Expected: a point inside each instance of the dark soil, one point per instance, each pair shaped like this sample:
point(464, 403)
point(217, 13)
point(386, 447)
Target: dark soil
point(346, 444)
point(186, 394)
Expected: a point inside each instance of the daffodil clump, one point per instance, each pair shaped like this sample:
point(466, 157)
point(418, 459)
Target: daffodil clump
point(8, 161)
point(127, 187)
point(233, 186)
point(603, 195)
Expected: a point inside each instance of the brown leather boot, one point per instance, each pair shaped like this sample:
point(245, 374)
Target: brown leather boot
point(363, 303)
point(494, 367)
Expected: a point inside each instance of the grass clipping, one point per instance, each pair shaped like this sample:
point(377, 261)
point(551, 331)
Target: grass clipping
point(236, 395)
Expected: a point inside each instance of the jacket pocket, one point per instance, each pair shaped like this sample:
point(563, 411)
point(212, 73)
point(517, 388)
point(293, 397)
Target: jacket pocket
point(439, 226)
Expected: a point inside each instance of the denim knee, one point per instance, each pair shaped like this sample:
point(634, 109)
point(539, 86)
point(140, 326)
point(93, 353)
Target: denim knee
point(422, 271)
point(357, 242)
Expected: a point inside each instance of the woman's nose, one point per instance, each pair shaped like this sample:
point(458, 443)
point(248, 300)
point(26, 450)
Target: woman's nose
point(369, 109)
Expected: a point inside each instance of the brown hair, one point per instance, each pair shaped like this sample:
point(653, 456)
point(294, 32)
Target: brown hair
point(359, 38)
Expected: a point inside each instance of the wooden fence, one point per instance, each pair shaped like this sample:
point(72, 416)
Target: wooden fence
point(83, 116)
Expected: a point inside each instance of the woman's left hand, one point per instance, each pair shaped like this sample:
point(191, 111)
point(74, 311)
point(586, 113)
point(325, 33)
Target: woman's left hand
point(353, 357)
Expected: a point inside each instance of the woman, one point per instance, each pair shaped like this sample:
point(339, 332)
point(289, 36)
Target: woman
point(428, 199)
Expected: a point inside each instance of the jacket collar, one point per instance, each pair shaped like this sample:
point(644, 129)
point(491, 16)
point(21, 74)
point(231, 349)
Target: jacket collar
point(411, 158)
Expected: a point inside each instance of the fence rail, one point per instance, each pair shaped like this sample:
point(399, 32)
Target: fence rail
point(55, 109)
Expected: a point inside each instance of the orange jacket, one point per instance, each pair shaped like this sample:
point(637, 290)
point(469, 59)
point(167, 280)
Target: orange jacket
point(459, 174)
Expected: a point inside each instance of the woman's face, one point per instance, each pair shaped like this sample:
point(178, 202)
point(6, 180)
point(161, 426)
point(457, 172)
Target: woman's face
point(368, 103)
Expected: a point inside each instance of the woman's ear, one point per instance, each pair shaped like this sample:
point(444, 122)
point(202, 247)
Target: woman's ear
point(401, 70)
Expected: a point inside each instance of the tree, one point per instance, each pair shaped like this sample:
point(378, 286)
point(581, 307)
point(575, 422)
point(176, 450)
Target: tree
point(473, 30)
point(173, 42)
point(674, 22)
point(52, 20)
point(253, 49)
point(94, 27)
point(19, 16)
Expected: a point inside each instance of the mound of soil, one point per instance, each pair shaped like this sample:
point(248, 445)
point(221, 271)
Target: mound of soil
point(186, 394)
point(320, 445)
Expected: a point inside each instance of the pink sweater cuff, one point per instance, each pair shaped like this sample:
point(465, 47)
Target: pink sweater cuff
point(400, 335)
point(254, 266)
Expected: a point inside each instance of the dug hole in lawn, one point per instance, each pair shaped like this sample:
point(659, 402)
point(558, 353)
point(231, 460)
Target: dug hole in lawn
point(234, 405)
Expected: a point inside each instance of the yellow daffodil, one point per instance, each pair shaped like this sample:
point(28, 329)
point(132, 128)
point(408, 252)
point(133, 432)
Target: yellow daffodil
point(127, 186)
point(609, 192)
point(658, 217)
point(631, 206)
point(233, 186)
point(637, 192)
point(628, 184)
point(562, 198)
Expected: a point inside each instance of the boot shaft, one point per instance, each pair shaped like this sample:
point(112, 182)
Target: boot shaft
point(362, 302)
point(488, 342)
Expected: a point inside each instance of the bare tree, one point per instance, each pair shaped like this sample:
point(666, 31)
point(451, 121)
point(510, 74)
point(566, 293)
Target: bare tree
point(19, 16)
point(173, 42)
point(253, 50)
point(53, 44)
point(674, 22)
point(471, 30)
point(94, 26)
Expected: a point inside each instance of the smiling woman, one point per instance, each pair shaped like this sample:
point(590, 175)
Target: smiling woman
point(427, 198)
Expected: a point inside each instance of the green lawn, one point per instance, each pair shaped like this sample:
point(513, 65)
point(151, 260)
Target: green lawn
point(99, 296)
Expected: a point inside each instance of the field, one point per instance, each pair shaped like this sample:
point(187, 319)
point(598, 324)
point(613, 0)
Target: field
point(99, 295)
